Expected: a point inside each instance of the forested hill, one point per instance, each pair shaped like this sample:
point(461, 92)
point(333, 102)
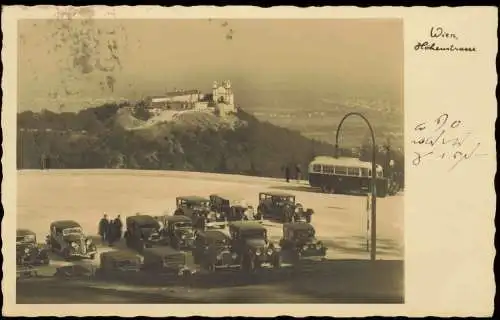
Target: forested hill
point(109, 137)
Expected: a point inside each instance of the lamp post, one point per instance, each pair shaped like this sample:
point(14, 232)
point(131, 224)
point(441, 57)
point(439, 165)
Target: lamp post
point(374, 179)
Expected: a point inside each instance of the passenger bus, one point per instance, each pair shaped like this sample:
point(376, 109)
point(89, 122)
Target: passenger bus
point(345, 175)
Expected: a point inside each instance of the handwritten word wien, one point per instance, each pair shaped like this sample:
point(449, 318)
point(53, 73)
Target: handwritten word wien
point(437, 34)
point(443, 139)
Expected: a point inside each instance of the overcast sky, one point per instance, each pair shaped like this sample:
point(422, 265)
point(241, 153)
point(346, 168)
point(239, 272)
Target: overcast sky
point(326, 57)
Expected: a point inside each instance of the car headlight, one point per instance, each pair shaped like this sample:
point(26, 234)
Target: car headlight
point(257, 253)
point(234, 256)
point(269, 251)
point(74, 245)
point(26, 250)
point(183, 236)
point(304, 247)
point(88, 242)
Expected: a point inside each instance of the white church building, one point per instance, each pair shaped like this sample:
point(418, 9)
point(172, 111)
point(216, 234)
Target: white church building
point(223, 97)
point(220, 101)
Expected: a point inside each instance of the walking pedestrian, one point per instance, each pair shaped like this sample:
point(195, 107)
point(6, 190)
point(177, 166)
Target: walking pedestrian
point(287, 173)
point(103, 227)
point(119, 227)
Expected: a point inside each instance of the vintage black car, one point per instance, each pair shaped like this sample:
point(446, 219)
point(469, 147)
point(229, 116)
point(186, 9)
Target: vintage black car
point(198, 209)
point(299, 241)
point(143, 231)
point(253, 249)
point(179, 231)
point(282, 207)
point(212, 251)
point(168, 261)
point(232, 208)
point(68, 239)
point(119, 262)
point(28, 251)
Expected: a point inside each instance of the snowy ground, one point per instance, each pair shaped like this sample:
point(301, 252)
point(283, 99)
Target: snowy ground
point(84, 195)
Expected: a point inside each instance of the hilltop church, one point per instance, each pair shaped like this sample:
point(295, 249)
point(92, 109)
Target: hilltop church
point(219, 102)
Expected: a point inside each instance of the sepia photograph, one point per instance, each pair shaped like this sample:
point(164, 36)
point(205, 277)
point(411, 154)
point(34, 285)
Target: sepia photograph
point(210, 160)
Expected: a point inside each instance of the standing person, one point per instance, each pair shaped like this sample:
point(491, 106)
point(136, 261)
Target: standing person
point(297, 172)
point(287, 173)
point(119, 227)
point(111, 232)
point(103, 227)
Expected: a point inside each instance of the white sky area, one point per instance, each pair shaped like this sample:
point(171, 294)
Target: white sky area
point(265, 60)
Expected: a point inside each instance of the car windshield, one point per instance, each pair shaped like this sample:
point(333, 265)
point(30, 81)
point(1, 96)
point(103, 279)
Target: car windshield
point(149, 225)
point(254, 234)
point(183, 225)
point(283, 200)
point(75, 230)
point(304, 234)
point(26, 238)
point(239, 210)
point(199, 205)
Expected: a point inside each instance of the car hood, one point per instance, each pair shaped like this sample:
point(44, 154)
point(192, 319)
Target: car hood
point(256, 243)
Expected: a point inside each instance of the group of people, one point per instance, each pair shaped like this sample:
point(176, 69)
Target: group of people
point(110, 230)
point(297, 173)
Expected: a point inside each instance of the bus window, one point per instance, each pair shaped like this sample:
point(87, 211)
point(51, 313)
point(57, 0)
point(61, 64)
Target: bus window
point(317, 168)
point(353, 172)
point(340, 170)
point(328, 169)
point(364, 172)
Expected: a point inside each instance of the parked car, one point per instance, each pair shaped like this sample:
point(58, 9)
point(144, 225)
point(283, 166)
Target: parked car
point(119, 263)
point(168, 261)
point(212, 251)
point(282, 207)
point(300, 242)
point(179, 231)
point(198, 209)
point(232, 208)
point(68, 240)
point(76, 271)
point(253, 249)
point(28, 251)
point(143, 231)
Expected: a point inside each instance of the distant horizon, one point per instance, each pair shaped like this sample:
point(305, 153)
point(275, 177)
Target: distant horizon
point(65, 62)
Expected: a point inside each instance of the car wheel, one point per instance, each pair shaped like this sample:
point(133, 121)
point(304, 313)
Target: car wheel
point(211, 267)
point(252, 265)
point(277, 261)
point(65, 254)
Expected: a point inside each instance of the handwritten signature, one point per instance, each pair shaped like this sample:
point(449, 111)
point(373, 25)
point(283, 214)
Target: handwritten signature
point(444, 140)
point(439, 33)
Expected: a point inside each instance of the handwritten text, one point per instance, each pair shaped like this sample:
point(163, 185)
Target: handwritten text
point(443, 139)
point(440, 34)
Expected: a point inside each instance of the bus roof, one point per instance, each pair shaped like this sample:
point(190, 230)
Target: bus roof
point(343, 161)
